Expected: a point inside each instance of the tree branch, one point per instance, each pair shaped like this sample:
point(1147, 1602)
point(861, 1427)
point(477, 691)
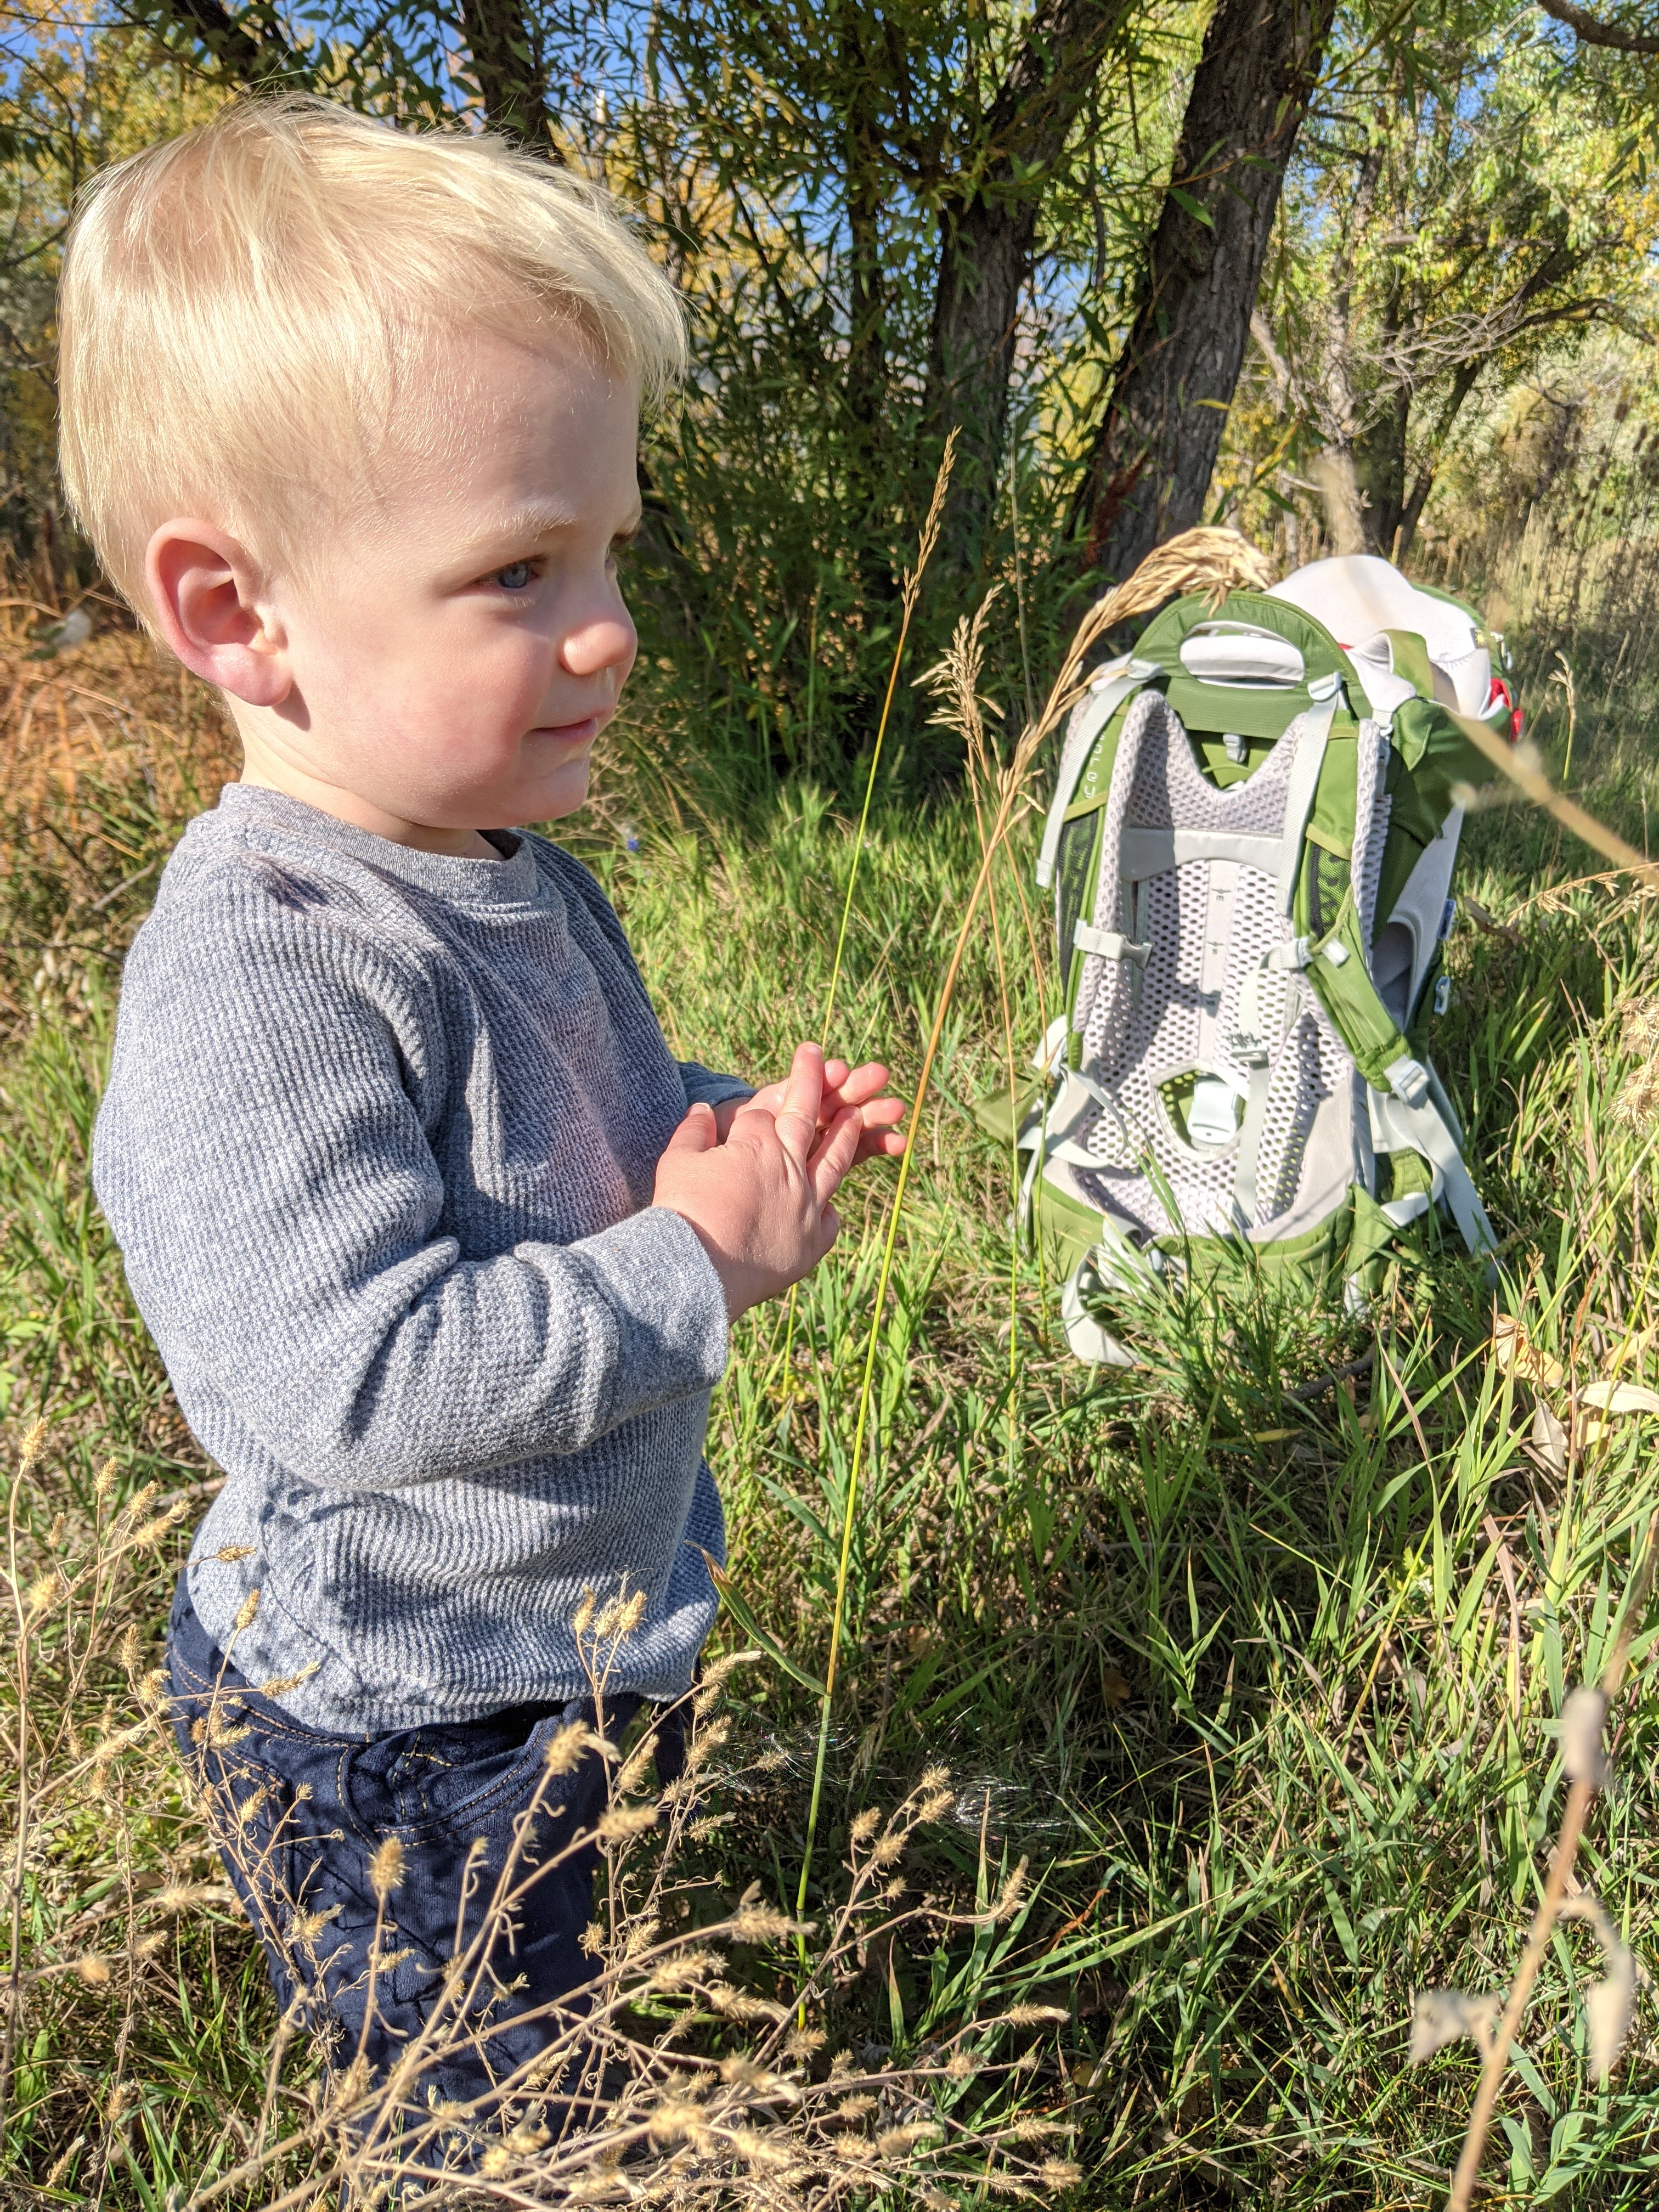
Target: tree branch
point(257, 59)
point(1595, 33)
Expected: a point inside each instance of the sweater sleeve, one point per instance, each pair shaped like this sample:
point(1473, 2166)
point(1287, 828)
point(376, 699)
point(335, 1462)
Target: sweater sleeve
point(701, 1085)
point(261, 1157)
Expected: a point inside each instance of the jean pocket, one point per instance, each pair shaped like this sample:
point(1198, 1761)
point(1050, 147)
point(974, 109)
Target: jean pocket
point(454, 1772)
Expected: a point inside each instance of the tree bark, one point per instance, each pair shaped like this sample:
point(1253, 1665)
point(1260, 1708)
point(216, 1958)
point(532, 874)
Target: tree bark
point(1149, 469)
point(506, 61)
point(987, 236)
point(1595, 33)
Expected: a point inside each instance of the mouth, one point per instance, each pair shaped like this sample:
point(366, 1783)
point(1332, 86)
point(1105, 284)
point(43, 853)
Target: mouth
point(572, 736)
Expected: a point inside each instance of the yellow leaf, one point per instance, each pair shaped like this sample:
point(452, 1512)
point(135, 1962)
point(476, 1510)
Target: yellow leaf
point(1620, 1398)
point(1516, 1355)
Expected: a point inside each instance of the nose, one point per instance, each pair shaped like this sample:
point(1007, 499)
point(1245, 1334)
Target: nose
point(602, 637)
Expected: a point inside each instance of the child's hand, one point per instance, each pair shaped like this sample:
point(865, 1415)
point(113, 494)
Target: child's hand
point(760, 1201)
point(842, 1086)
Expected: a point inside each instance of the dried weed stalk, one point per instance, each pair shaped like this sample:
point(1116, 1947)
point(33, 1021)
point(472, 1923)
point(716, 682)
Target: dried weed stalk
point(1211, 561)
point(694, 2067)
point(1445, 2016)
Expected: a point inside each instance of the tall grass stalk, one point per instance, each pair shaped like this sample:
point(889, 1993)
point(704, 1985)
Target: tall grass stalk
point(1588, 1773)
point(909, 595)
point(1210, 560)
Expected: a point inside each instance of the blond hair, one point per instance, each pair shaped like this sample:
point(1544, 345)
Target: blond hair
point(247, 313)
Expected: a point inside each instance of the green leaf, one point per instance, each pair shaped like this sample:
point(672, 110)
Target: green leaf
point(727, 1591)
point(1196, 209)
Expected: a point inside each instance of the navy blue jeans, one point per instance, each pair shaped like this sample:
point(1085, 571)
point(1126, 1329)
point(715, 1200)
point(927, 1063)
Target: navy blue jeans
point(298, 1813)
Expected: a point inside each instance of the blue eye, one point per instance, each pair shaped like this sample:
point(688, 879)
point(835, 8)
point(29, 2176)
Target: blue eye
point(515, 577)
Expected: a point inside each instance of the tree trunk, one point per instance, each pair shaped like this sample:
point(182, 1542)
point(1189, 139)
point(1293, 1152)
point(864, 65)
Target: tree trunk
point(506, 61)
point(987, 240)
point(1149, 467)
point(263, 60)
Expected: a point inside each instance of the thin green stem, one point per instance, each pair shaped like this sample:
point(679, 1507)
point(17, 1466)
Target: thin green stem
point(866, 1388)
point(864, 817)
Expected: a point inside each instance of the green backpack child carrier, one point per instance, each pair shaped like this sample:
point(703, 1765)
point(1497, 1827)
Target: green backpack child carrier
point(1250, 849)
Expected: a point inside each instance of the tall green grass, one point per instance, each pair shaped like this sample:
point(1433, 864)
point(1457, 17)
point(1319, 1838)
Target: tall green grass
point(1226, 1648)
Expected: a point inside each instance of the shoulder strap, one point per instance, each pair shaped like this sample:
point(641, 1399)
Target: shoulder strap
point(1122, 679)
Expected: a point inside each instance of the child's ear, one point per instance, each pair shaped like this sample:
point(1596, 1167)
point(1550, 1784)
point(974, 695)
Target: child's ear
point(204, 591)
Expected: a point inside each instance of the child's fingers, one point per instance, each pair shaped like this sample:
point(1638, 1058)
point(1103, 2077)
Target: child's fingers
point(828, 1165)
point(797, 1119)
point(882, 1145)
point(883, 1113)
point(856, 1084)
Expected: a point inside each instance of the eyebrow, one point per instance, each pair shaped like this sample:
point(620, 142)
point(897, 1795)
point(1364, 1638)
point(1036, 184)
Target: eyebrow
point(539, 518)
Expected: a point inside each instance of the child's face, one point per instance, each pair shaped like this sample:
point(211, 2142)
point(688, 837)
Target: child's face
point(452, 656)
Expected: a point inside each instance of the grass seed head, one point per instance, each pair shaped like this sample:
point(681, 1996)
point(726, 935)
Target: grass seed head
point(29, 1450)
point(760, 1923)
point(621, 1821)
point(1608, 2007)
point(1583, 1719)
point(1060, 2173)
point(865, 1825)
point(565, 1748)
point(1012, 1890)
point(1442, 2016)
point(245, 1612)
point(386, 1869)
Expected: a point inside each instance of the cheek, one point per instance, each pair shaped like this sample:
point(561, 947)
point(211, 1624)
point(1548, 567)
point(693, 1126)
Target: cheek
point(474, 692)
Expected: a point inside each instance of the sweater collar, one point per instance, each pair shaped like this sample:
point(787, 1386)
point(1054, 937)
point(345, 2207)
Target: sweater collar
point(511, 881)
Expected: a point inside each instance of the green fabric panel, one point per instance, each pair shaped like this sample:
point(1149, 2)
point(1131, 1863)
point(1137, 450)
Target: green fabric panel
point(1349, 996)
point(1418, 804)
point(1374, 1240)
point(1263, 712)
point(1437, 753)
point(1333, 811)
point(1077, 870)
point(1402, 1174)
point(1069, 1229)
point(1313, 1262)
point(1000, 1113)
point(1408, 656)
point(1321, 653)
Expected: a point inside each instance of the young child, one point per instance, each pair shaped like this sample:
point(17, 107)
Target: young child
point(439, 1243)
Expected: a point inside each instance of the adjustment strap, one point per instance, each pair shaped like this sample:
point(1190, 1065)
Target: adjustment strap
point(1421, 1128)
point(1249, 1141)
point(1109, 944)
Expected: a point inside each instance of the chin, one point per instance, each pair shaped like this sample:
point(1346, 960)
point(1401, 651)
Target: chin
point(560, 795)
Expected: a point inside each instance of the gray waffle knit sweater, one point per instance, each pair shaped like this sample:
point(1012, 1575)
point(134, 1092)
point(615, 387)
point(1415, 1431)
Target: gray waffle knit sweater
point(379, 1146)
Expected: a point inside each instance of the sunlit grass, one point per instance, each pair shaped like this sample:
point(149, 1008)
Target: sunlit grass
point(1255, 1653)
